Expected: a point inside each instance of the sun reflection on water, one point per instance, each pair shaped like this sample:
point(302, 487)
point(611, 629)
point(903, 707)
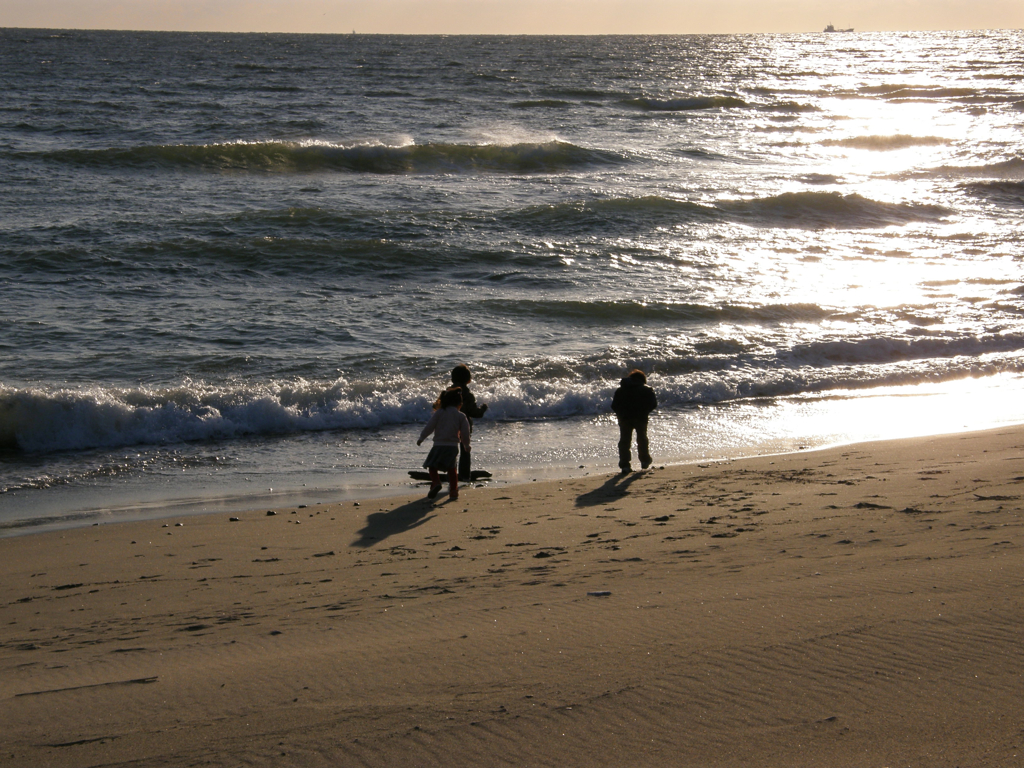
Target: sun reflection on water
point(842, 417)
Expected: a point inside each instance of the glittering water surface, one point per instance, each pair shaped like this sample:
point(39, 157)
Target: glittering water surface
point(231, 263)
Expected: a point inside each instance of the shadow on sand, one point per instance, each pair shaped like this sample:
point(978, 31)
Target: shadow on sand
point(614, 487)
point(381, 525)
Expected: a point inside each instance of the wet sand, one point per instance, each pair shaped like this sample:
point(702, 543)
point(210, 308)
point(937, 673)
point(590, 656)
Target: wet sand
point(858, 606)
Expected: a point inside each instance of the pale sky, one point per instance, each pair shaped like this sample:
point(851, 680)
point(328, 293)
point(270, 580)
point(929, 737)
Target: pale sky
point(514, 16)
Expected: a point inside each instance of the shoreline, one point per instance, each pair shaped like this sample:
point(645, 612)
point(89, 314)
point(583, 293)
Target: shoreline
point(399, 485)
point(783, 609)
point(521, 452)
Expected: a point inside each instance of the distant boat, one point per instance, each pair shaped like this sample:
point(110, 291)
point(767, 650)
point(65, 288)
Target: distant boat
point(830, 28)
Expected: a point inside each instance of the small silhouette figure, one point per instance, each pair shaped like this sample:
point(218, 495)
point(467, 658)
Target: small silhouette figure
point(633, 402)
point(461, 377)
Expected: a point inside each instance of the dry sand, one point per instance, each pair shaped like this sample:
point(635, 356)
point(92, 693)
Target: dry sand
point(860, 606)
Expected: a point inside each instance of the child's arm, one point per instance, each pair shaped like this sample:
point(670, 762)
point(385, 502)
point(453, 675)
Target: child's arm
point(617, 400)
point(469, 406)
point(431, 424)
point(464, 431)
point(652, 400)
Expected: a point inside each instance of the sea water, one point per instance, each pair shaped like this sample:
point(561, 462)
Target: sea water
point(236, 270)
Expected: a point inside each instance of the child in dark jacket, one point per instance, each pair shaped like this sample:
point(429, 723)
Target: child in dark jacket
point(451, 429)
point(461, 377)
point(633, 403)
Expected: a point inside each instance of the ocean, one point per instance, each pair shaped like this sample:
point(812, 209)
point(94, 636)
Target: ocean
point(236, 270)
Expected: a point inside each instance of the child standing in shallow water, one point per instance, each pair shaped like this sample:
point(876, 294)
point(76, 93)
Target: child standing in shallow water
point(451, 429)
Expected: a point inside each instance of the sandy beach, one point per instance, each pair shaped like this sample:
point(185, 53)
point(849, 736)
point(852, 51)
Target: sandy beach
point(857, 606)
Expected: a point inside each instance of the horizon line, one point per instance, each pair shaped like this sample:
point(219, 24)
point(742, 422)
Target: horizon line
point(505, 34)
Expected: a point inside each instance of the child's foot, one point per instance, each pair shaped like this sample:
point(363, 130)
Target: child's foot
point(625, 470)
point(453, 496)
point(645, 465)
point(434, 490)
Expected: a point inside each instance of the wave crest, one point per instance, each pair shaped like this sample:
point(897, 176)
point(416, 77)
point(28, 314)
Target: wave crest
point(305, 157)
point(830, 210)
point(687, 104)
point(44, 421)
point(1002, 192)
point(40, 421)
point(617, 312)
point(813, 210)
point(1007, 169)
point(919, 92)
point(885, 143)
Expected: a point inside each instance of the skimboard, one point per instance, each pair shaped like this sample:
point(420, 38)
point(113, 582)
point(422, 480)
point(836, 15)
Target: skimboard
point(474, 476)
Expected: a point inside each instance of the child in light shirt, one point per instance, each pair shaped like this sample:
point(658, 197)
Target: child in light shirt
point(451, 429)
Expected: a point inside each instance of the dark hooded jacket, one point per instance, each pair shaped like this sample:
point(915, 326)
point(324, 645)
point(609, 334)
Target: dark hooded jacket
point(634, 400)
point(469, 406)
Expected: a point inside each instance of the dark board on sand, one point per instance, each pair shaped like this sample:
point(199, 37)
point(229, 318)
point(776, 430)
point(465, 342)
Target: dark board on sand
point(474, 476)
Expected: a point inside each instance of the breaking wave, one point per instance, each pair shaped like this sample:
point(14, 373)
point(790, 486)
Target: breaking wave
point(43, 421)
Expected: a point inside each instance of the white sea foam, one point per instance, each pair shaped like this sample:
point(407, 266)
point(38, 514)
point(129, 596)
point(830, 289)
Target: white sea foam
point(36, 420)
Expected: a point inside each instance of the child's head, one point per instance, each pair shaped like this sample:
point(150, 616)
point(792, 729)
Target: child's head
point(461, 375)
point(451, 397)
point(638, 376)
